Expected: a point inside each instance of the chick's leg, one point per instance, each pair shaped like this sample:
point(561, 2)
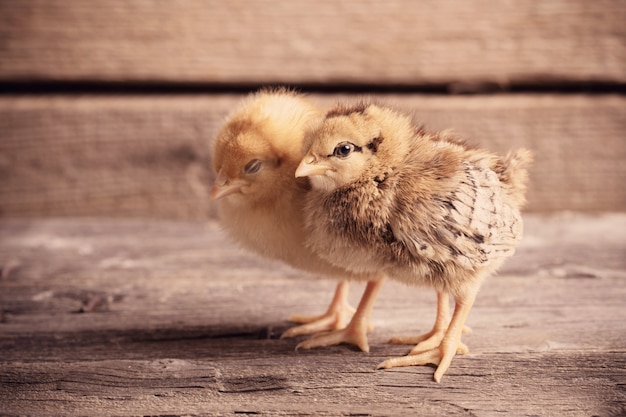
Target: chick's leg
point(356, 331)
point(433, 338)
point(443, 354)
point(335, 318)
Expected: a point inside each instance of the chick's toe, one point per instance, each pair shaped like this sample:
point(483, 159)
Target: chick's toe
point(335, 318)
point(433, 338)
point(449, 346)
point(355, 333)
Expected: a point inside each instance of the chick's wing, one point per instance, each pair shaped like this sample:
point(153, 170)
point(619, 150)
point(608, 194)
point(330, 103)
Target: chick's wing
point(471, 225)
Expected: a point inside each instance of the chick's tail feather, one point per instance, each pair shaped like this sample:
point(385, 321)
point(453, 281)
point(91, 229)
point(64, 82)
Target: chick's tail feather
point(513, 170)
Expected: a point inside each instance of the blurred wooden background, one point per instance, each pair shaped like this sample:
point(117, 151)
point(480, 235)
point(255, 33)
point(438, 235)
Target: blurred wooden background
point(109, 108)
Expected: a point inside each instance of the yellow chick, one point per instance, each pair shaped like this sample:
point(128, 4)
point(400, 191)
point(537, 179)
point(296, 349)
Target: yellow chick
point(423, 207)
point(260, 205)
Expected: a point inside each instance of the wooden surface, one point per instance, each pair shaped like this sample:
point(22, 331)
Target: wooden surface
point(150, 155)
point(314, 42)
point(180, 322)
point(146, 317)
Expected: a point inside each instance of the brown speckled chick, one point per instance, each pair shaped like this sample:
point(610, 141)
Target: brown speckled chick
point(423, 207)
point(261, 204)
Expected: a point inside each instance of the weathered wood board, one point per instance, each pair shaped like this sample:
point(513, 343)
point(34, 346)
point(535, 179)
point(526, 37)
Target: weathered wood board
point(183, 323)
point(150, 155)
point(314, 42)
point(89, 153)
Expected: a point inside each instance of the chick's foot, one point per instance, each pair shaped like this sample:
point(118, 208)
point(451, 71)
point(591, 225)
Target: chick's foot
point(331, 320)
point(356, 331)
point(353, 334)
point(336, 317)
point(433, 338)
point(450, 344)
point(441, 356)
point(428, 341)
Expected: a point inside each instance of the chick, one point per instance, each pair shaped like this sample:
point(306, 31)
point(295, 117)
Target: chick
point(260, 204)
point(423, 207)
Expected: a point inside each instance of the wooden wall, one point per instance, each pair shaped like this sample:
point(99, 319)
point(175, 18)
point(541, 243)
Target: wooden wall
point(109, 108)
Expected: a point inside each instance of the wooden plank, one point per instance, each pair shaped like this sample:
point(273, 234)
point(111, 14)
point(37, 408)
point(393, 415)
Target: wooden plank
point(150, 155)
point(189, 326)
point(312, 41)
point(527, 384)
point(108, 156)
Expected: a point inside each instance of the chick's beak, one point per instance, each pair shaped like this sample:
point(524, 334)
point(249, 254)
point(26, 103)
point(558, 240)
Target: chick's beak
point(310, 167)
point(224, 186)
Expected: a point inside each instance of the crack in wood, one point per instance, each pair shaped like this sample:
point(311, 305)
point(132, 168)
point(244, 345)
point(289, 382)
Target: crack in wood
point(253, 384)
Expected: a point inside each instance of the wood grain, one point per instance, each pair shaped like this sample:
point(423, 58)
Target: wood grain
point(189, 325)
point(136, 156)
point(314, 42)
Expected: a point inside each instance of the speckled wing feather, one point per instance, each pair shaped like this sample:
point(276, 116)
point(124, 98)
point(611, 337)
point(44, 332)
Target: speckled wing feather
point(475, 224)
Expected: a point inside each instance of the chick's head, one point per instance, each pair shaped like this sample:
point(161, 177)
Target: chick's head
point(259, 146)
point(243, 164)
point(353, 143)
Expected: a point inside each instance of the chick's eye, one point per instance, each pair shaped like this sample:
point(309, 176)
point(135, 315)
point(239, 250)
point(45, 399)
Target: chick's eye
point(252, 167)
point(343, 149)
